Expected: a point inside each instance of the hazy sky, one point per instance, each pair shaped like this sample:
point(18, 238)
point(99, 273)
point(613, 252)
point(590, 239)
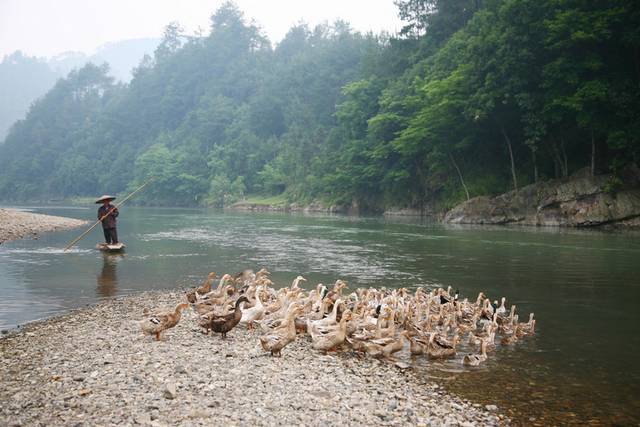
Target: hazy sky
point(49, 27)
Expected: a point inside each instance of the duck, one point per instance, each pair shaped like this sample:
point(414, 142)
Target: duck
point(220, 290)
point(278, 304)
point(223, 280)
point(296, 282)
point(332, 337)
point(416, 345)
point(506, 324)
point(476, 359)
point(529, 328)
point(254, 313)
point(327, 321)
point(206, 286)
point(159, 322)
point(380, 348)
point(439, 349)
point(207, 305)
point(487, 310)
point(510, 339)
point(198, 292)
point(385, 314)
point(244, 278)
point(224, 323)
point(336, 292)
point(301, 322)
point(274, 341)
point(395, 345)
point(263, 273)
point(275, 320)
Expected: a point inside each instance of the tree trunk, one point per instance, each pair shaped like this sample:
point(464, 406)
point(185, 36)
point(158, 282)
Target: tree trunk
point(455, 165)
point(513, 164)
point(557, 161)
point(593, 154)
point(565, 166)
point(535, 165)
point(636, 60)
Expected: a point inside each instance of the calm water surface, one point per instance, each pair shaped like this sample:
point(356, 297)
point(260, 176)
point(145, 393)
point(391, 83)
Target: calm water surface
point(584, 287)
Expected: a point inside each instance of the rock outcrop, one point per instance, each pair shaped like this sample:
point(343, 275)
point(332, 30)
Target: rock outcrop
point(578, 201)
point(314, 207)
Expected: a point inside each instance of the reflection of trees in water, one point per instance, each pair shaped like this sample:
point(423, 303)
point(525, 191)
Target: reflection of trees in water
point(107, 280)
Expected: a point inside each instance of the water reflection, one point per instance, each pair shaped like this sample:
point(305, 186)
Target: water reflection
point(107, 280)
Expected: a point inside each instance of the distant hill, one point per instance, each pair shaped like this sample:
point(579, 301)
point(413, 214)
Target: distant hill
point(121, 56)
point(23, 78)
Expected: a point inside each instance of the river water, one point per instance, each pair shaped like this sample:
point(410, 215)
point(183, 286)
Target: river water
point(584, 287)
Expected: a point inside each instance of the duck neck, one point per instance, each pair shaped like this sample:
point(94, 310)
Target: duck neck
point(258, 300)
point(289, 321)
point(239, 302)
point(343, 324)
point(334, 312)
point(379, 325)
point(178, 311)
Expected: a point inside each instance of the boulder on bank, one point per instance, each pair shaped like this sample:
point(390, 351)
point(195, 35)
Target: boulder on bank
point(578, 201)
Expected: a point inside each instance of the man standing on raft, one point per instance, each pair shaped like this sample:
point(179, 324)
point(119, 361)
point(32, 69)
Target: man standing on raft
point(109, 221)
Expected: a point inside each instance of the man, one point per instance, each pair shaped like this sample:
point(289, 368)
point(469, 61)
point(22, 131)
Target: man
point(109, 221)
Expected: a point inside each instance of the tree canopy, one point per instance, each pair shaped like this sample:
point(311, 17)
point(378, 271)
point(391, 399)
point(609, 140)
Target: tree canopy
point(473, 97)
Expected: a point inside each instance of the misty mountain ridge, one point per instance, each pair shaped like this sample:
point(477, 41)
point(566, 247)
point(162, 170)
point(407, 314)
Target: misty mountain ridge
point(23, 78)
point(122, 57)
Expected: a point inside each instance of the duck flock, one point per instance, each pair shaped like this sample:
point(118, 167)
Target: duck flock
point(378, 322)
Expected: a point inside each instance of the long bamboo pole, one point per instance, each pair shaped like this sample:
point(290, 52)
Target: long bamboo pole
point(107, 214)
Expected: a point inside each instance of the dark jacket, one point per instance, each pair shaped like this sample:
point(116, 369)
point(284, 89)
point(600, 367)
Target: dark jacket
point(110, 221)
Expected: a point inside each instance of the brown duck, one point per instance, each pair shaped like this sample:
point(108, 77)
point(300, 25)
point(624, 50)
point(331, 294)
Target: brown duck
point(224, 323)
point(159, 322)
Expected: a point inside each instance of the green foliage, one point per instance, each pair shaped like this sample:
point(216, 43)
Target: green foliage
point(613, 185)
point(224, 192)
point(474, 96)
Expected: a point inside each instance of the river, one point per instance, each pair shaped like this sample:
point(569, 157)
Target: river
point(584, 287)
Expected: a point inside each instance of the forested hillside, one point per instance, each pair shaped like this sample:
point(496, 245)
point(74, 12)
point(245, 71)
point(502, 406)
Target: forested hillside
point(22, 79)
point(473, 97)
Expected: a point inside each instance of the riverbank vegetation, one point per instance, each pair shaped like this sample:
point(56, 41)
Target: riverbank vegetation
point(472, 97)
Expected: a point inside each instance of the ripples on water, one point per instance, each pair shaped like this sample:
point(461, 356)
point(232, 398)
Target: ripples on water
point(279, 249)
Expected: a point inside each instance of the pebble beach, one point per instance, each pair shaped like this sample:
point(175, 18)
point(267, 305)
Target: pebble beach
point(93, 366)
point(15, 224)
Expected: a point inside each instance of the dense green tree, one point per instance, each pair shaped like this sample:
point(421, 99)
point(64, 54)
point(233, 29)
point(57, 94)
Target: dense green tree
point(474, 97)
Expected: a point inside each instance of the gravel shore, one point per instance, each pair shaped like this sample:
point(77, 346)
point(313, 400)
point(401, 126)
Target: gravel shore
point(94, 367)
point(16, 224)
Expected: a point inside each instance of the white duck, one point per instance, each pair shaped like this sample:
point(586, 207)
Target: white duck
point(254, 313)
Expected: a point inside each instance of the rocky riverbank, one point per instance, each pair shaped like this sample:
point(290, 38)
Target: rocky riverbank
point(315, 207)
point(577, 201)
point(16, 224)
point(94, 367)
